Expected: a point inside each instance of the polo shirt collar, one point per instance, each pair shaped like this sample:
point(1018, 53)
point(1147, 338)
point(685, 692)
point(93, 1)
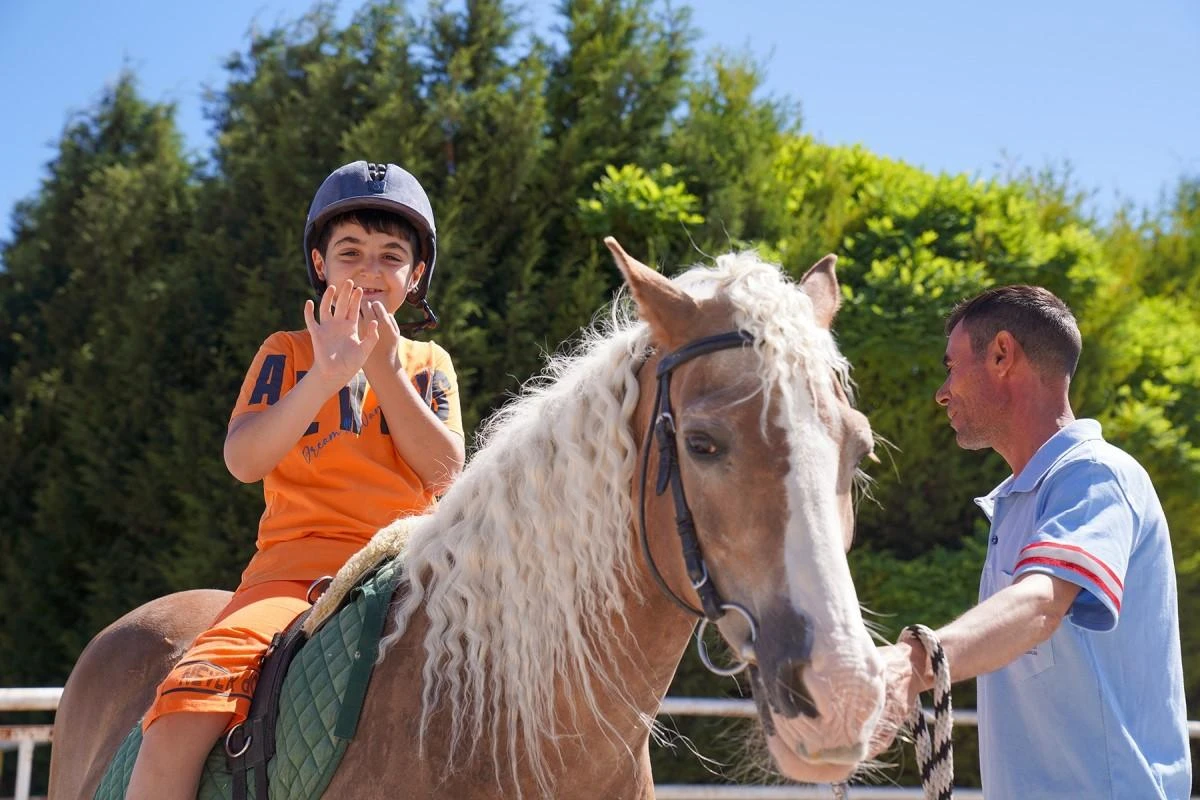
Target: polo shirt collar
point(1054, 448)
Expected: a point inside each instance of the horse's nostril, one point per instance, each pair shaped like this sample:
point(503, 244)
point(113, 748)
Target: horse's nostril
point(782, 693)
point(786, 694)
point(793, 694)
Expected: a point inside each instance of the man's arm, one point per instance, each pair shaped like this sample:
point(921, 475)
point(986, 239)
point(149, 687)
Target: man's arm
point(985, 638)
point(1001, 628)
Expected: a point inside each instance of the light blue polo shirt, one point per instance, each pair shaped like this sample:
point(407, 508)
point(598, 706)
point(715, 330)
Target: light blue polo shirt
point(1096, 711)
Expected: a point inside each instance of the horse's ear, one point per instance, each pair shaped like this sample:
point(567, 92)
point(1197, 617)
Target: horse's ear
point(662, 304)
point(821, 286)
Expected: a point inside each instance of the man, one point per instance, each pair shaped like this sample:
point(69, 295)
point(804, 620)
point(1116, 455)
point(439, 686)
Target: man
point(1075, 639)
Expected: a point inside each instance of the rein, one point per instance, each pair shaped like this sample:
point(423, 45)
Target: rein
point(713, 607)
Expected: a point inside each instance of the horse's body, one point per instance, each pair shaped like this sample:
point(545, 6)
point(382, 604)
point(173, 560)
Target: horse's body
point(113, 683)
point(533, 645)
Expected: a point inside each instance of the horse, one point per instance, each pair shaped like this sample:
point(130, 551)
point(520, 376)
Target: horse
point(695, 463)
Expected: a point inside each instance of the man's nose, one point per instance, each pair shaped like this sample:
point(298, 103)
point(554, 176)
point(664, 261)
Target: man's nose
point(942, 395)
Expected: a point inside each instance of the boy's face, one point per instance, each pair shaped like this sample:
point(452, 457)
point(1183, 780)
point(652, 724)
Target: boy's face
point(380, 263)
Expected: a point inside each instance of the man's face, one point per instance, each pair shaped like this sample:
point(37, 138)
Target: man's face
point(380, 263)
point(968, 393)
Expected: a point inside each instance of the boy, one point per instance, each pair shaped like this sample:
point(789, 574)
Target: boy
point(348, 424)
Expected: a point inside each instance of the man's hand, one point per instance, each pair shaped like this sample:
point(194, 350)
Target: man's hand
point(339, 352)
point(905, 665)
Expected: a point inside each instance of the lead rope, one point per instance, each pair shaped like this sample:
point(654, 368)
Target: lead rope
point(935, 749)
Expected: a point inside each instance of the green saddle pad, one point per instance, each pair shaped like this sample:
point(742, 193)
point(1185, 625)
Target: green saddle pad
point(312, 732)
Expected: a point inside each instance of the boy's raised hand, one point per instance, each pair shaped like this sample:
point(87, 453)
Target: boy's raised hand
point(339, 352)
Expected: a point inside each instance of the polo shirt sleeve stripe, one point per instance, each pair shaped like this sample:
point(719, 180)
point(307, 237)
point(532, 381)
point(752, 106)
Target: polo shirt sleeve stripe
point(1075, 560)
point(1085, 529)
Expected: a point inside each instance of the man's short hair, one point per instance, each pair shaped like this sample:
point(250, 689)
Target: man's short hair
point(1039, 321)
point(373, 220)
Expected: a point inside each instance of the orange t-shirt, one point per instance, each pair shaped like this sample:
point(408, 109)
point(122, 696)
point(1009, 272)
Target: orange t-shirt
point(343, 480)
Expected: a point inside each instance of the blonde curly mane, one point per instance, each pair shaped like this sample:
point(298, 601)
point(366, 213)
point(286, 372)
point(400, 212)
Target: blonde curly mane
point(524, 564)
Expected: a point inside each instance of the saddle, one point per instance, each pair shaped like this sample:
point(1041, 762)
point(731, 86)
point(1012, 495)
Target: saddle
point(305, 709)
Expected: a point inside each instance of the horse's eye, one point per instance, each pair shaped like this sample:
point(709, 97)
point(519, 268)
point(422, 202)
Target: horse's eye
point(701, 444)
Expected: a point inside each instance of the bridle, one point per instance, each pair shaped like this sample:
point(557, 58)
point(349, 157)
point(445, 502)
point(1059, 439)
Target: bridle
point(662, 427)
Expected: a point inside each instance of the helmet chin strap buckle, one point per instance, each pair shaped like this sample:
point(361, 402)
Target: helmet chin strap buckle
point(429, 322)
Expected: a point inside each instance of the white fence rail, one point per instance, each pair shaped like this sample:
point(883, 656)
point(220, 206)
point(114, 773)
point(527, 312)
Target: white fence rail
point(24, 738)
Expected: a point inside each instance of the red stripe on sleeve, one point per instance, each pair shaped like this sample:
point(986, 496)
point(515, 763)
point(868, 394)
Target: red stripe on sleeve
point(1076, 549)
point(1067, 565)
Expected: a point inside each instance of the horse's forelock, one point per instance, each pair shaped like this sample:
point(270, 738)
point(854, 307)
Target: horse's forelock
point(794, 351)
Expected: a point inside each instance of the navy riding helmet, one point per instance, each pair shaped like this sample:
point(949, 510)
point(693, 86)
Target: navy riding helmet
point(385, 187)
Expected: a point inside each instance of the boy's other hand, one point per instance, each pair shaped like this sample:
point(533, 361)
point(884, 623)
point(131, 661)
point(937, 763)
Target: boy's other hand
point(339, 350)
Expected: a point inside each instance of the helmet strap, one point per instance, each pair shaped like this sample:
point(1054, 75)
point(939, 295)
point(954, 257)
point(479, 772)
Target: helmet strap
point(429, 322)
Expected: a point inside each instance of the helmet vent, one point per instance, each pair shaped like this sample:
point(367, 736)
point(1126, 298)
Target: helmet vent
point(375, 175)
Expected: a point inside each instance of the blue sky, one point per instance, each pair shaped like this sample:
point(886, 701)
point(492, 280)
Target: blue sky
point(981, 88)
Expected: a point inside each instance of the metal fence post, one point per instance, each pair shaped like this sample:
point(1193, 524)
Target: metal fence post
point(24, 768)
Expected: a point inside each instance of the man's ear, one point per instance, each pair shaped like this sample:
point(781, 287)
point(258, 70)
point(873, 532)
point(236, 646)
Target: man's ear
point(1003, 352)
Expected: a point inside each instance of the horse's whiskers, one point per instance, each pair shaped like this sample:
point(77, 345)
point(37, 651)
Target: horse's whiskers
point(863, 484)
point(875, 629)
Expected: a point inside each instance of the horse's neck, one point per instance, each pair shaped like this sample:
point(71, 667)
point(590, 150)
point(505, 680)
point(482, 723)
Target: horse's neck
point(658, 635)
point(608, 756)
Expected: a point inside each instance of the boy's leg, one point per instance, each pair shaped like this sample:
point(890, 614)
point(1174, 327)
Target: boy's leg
point(172, 756)
point(209, 690)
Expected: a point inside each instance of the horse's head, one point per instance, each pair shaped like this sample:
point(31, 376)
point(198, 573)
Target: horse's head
point(755, 447)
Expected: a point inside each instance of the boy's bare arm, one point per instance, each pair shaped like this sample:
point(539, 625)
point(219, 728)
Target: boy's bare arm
point(434, 452)
point(257, 442)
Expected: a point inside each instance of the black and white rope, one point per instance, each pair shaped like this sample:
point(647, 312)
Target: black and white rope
point(935, 749)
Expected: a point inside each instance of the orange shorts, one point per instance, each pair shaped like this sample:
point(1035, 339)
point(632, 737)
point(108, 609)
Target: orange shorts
point(219, 672)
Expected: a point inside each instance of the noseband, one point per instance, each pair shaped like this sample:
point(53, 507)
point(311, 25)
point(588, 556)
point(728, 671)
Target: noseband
point(663, 429)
